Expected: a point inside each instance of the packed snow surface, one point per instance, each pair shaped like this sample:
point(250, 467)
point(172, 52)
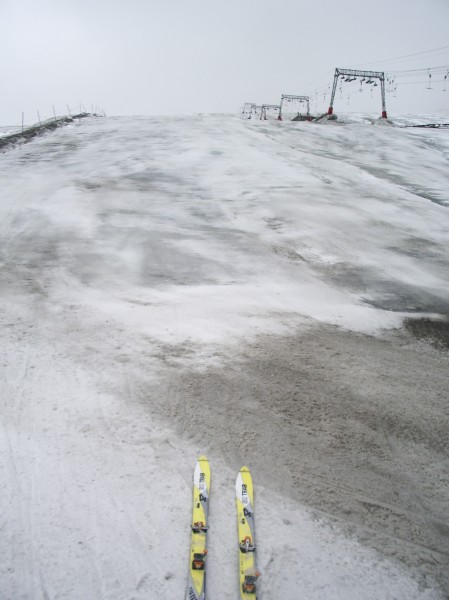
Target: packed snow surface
point(207, 284)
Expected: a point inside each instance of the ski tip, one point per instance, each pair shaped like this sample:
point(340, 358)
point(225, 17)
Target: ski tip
point(202, 457)
point(244, 470)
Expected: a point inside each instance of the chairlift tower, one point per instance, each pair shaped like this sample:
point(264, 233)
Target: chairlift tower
point(289, 98)
point(249, 108)
point(264, 107)
point(368, 77)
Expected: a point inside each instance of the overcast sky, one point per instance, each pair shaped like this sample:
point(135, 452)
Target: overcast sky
point(183, 56)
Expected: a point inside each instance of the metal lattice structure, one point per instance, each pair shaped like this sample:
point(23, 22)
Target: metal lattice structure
point(289, 98)
point(368, 77)
point(248, 109)
point(264, 107)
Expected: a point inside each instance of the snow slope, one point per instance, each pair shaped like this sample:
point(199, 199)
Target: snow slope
point(140, 254)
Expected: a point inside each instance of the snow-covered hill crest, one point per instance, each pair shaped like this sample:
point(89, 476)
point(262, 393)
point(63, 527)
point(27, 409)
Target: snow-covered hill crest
point(206, 284)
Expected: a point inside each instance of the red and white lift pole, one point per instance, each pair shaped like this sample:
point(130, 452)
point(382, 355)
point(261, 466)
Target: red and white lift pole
point(368, 77)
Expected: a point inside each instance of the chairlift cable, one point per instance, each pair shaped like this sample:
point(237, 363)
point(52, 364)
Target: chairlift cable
point(414, 54)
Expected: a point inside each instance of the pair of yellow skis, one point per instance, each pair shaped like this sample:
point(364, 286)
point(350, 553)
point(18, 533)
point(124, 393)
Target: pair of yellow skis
point(248, 574)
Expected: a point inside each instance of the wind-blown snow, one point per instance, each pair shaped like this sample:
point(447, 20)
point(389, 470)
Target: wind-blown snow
point(124, 242)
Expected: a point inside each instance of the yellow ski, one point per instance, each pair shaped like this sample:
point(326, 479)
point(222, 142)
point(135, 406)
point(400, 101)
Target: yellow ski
point(196, 589)
point(248, 573)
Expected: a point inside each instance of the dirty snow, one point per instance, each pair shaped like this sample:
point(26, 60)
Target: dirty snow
point(207, 284)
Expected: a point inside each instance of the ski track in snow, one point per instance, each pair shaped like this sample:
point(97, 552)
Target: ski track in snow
point(147, 261)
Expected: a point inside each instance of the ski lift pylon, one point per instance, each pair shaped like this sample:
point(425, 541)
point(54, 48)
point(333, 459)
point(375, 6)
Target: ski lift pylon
point(369, 77)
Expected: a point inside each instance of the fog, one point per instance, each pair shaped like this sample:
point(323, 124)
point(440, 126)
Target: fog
point(154, 57)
